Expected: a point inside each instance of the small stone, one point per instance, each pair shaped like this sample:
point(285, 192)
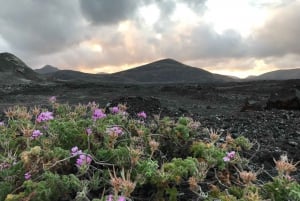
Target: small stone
point(293, 143)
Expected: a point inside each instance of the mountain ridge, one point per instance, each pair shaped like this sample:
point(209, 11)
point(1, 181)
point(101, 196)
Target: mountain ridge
point(47, 69)
point(283, 74)
point(14, 71)
point(170, 70)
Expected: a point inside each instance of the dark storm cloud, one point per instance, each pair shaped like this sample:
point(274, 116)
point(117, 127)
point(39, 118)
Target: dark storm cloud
point(39, 27)
point(280, 35)
point(203, 42)
point(63, 32)
point(108, 11)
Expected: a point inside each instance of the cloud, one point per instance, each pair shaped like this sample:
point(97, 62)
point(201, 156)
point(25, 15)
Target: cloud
point(203, 42)
point(105, 12)
point(40, 27)
point(102, 34)
point(280, 34)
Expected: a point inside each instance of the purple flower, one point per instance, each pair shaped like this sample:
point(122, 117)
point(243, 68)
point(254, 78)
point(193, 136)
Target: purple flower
point(2, 123)
point(83, 160)
point(142, 115)
point(44, 116)
point(109, 198)
point(114, 110)
point(229, 156)
point(122, 198)
point(114, 131)
point(88, 131)
point(98, 114)
point(75, 151)
point(226, 159)
point(27, 175)
point(52, 99)
point(36, 134)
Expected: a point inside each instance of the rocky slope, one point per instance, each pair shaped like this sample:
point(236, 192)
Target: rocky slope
point(171, 71)
point(14, 71)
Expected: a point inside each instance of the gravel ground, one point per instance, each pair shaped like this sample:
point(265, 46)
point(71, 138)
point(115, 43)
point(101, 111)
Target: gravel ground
point(216, 106)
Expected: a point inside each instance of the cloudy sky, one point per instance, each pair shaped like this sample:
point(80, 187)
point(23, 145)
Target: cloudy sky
point(236, 37)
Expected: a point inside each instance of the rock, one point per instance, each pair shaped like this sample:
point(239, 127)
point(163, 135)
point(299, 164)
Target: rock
point(136, 104)
point(287, 99)
point(293, 143)
point(252, 105)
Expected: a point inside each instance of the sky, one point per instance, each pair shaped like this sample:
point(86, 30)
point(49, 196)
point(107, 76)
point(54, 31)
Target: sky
point(231, 37)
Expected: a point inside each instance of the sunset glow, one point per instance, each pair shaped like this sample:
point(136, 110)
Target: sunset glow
point(232, 37)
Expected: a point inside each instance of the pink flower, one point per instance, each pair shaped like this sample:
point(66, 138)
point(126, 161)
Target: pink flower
point(226, 159)
point(27, 175)
point(142, 115)
point(114, 110)
point(83, 160)
point(122, 198)
point(229, 156)
point(88, 131)
point(52, 99)
point(114, 131)
point(109, 198)
point(44, 116)
point(98, 114)
point(75, 151)
point(36, 134)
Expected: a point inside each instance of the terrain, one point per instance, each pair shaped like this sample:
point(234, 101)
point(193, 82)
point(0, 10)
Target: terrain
point(216, 106)
point(217, 102)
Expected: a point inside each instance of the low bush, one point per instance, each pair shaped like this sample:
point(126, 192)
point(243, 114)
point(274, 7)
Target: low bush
point(85, 153)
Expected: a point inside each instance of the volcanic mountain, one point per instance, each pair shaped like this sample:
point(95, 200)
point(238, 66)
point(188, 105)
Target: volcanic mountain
point(171, 71)
point(47, 69)
point(278, 75)
point(14, 71)
point(71, 75)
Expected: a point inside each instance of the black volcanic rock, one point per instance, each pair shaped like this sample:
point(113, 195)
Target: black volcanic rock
point(47, 69)
point(287, 99)
point(171, 71)
point(14, 71)
point(136, 104)
point(252, 105)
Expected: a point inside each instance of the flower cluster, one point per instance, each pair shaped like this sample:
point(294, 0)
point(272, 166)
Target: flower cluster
point(229, 156)
point(36, 134)
point(75, 151)
point(83, 159)
point(98, 114)
point(142, 115)
point(44, 116)
point(88, 131)
point(115, 110)
point(27, 175)
point(114, 131)
point(111, 198)
point(52, 99)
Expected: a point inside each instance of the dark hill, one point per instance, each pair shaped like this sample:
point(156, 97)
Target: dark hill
point(14, 71)
point(70, 75)
point(47, 69)
point(170, 71)
point(278, 75)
